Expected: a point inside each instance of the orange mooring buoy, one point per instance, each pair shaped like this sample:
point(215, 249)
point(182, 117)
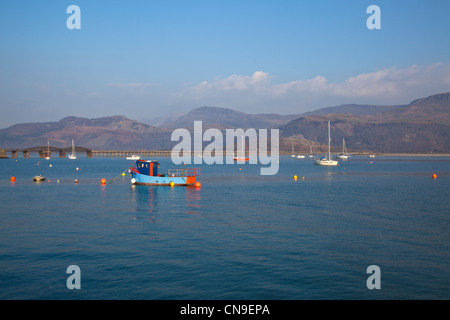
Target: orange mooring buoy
point(13, 179)
point(103, 181)
point(434, 176)
point(197, 184)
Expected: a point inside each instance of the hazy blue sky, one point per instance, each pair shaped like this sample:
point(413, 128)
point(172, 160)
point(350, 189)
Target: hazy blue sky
point(144, 59)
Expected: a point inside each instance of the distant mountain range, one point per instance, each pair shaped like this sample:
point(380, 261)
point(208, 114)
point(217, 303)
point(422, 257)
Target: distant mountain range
point(107, 133)
point(229, 118)
point(421, 126)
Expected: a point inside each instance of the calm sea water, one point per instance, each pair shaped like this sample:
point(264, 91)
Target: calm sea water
point(240, 236)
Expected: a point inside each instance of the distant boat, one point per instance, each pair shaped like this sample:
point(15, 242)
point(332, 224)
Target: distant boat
point(292, 154)
point(73, 155)
point(38, 178)
point(372, 156)
point(326, 161)
point(243, 157)
point(300, 156)
point(344, 154)
point(310, 152)
point(48, 151)
point(134, 157)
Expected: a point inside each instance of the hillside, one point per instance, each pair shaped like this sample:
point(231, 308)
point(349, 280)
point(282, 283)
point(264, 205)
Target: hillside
point(116, 132)
point(228, 118)
point(422, 126)
point(222, 118)
point(356, 109)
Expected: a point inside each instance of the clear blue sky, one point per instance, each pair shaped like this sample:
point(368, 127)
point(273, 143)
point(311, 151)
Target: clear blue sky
point(144, 59)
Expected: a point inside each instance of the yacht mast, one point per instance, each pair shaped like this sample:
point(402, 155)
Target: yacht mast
point(329, 141)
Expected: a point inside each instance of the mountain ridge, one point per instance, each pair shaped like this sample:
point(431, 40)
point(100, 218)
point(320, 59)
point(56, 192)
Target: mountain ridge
point(423, 125)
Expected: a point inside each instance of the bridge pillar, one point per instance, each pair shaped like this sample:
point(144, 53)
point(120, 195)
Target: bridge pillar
point(62, 154)
point(26, 154)
point(89, 154)
point(14, 154)
point(44, 154)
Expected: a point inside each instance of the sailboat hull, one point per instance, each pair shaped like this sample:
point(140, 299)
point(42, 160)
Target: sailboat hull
point(326, 162)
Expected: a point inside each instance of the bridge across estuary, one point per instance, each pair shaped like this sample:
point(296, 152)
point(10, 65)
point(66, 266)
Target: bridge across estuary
point(47, 151)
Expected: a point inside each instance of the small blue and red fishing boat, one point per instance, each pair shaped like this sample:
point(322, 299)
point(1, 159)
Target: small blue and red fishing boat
point(146, 173)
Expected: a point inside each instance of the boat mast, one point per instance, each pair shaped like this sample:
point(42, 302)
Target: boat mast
point(344, 149)
point(329, 141)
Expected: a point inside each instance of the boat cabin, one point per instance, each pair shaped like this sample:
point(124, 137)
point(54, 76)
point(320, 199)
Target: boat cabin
point(147, 167)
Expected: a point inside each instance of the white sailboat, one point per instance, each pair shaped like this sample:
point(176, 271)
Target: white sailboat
point(292, 154)
point(310, 152)
point(73, 155)
point(241, 155)
point(326, 161)
point(48, 150)
point(344, 154)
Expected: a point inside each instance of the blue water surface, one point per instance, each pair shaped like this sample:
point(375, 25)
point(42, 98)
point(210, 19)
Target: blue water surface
point(240, 236)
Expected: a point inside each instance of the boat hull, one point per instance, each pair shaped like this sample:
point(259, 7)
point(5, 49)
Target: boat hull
point(163, 180)
point(324, 162)
point(133, 157)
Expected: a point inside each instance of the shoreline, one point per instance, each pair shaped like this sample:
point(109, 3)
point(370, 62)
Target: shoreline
point(407, 154)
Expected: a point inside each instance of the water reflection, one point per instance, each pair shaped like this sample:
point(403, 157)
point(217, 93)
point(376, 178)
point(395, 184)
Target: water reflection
point(193, 198)
point(153, 200)
point(144, 200)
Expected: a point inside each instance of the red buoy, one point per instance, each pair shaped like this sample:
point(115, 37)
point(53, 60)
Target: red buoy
point(434, 176)
point(103, 181)
point(197, 184)
point(13, 179)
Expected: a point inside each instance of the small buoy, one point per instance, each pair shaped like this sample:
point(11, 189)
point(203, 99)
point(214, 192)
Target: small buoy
point(76, 181)
point(78, 169)
point(133, 180)
point(172, 183)
point(57, 181)
point(123, 173)
point(371, 162)
point(303, 178)
point(13, 179)
point(50, 165)
point(197, 184)
point(434, 176)
point(295, 177)
point(103, 181)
